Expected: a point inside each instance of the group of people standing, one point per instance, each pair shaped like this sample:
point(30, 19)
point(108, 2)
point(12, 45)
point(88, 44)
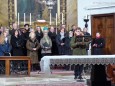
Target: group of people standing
point(38, 42)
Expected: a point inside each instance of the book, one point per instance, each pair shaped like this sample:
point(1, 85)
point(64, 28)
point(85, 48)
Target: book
point(83, 38)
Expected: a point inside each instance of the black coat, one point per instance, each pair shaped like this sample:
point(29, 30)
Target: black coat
point(26, 35)
point(54, 44)
point(65, 49)
point(39, 35)
point(17, 46)
point(12, 31)
point(98, 73)
point(100, 45)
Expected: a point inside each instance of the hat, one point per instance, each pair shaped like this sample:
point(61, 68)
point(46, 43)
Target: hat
point(45, 28)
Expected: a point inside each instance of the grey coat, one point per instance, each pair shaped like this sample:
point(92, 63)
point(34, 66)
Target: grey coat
point(43, 42)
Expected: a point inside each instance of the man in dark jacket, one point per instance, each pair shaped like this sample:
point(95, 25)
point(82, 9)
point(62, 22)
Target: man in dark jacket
point(98, 44)
point(98, 74)
point(52, 35)
point(25, 37)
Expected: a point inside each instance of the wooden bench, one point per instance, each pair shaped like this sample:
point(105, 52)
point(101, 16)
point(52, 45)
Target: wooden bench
point(8, 59)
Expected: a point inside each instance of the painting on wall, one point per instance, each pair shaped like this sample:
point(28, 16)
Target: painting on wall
point(37, 9)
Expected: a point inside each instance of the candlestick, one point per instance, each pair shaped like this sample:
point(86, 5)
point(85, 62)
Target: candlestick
point(18, 19)
point(62, 18)
point(24, 18)
point(56, 19)
point(56, 23)
point(50, 18)
point(30, 19)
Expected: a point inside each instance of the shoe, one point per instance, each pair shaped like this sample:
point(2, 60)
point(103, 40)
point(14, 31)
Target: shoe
point(80, 77)
point(75, 77)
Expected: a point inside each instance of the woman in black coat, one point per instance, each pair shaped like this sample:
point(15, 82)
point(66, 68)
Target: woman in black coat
point(62, 41)
point(17, 44)
point(39, 33)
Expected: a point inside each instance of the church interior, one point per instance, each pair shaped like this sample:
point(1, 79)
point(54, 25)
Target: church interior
point(57, 43)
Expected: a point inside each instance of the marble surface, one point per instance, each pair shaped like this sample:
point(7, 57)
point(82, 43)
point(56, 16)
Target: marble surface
point(40, 79)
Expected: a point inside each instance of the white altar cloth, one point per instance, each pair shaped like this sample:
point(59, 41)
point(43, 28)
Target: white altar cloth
point(46, 61)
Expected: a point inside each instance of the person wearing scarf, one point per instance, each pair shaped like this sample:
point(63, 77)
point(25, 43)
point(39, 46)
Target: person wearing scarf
point(62, 41)
point(45, 43)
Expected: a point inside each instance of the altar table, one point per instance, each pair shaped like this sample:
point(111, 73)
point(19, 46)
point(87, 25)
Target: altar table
point(46, 61)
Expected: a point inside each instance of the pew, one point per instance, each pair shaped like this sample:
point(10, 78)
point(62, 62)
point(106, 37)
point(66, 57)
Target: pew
point(8, 59)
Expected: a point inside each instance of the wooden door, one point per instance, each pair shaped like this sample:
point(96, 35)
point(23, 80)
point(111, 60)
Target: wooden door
point(105, 24)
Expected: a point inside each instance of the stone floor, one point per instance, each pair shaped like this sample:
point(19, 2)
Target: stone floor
point(40, 79)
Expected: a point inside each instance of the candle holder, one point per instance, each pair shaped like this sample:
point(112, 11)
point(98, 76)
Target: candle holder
point(86, 22)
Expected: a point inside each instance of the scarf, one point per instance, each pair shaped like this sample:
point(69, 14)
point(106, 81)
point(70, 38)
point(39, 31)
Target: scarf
point(46, 39)
point(62, 35)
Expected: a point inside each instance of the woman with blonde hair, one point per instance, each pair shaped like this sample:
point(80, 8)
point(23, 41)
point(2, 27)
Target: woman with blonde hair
point(46, 43)
point(5, 46)
point(32, 46)
point(8, 36)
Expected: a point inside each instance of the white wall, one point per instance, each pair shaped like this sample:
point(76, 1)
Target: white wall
point(91, 7)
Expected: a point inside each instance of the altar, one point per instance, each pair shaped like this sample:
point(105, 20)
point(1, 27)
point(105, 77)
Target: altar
point(46, 61)
point(41, 23)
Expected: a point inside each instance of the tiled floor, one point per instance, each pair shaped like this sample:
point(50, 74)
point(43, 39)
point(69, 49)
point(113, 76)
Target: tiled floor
point(39, 79)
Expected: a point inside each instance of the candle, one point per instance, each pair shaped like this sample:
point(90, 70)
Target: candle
point(18, 19)
point(50, 18)
point(87, 16)
point(56, 19)
point(62, 18)
point(56, 23)
point(30, 20)
point(24, 19)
